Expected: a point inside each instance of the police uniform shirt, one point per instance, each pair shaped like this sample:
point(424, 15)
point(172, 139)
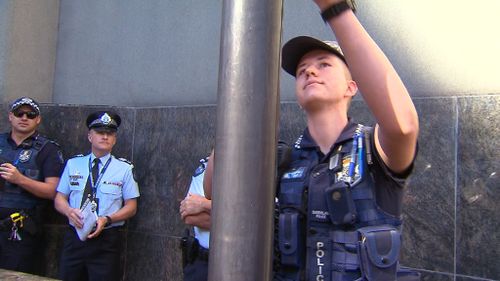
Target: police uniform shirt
point(49, 160)
point(389, 189)
point(116, 184)
point(196, 187)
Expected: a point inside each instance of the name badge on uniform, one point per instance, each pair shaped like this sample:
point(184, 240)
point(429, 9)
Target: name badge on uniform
point(295, 173)
point(75, 177)
point(117, 183)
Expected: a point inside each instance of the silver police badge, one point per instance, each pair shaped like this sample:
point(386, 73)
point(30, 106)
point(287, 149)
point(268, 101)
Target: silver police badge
point(106, 119)
point(25, 155)
point(343, 174)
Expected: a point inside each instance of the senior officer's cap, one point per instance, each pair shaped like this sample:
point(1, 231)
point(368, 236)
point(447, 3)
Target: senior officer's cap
point(104, 121)
point(25, 101)
point(297, 47)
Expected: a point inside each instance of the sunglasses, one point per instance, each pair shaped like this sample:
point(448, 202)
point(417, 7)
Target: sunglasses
point(29, 114)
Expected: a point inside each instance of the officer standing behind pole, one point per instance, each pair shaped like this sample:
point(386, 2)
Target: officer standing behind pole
point(340, 201)
point(195, 210)
point(108, 184)
point(30, 169)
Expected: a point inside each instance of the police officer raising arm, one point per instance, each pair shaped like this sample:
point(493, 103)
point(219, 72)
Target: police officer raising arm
point(30, 169)
point(340, 201)
point(382, 89)
point(106, 185)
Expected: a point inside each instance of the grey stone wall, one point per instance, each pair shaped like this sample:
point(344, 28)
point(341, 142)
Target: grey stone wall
point(451, 214)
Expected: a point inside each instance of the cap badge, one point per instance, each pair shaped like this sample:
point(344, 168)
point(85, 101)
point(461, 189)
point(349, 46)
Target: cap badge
point(106, 119)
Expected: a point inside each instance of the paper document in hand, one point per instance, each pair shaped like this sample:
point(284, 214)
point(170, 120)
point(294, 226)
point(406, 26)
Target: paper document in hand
point(89, 220)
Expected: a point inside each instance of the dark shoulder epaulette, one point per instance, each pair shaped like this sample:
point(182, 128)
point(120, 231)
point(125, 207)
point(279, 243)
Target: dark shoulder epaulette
point(78, 155)
point(55, 143)
point(39, 142)
point(125, 160)
point(201, 168)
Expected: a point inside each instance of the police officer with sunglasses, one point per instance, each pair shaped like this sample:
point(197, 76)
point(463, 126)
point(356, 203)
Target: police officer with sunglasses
point(30, 168)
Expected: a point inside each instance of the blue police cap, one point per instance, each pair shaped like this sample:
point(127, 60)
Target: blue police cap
point(293, 51)
point(25, 101)
point(104, 120)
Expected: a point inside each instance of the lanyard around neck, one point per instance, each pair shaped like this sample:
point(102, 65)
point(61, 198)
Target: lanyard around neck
point(99, 177)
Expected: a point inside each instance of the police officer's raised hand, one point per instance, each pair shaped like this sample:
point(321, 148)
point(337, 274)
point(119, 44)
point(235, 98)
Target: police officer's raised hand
point(10, 173)
point(101, 223)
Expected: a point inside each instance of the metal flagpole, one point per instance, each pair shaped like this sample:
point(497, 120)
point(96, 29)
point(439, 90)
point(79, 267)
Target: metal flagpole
point(246, 136)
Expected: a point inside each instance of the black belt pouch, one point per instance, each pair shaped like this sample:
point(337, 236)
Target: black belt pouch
point(379, 252)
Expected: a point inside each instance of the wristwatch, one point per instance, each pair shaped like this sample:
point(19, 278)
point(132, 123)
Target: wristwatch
point(336, 9)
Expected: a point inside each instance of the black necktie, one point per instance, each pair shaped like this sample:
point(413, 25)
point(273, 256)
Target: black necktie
point(88, 186)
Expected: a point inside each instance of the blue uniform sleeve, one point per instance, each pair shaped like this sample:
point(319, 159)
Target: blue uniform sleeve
point(130, 187)
point(50, 160)
point(63, 186)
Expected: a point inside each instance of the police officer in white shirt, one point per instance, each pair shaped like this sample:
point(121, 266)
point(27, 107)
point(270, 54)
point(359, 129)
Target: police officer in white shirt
point(195, 211)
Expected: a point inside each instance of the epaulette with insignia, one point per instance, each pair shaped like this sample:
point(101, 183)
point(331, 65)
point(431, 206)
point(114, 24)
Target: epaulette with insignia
point(125, 160)
point(201, 168)
point(78, 155)
point(298, 141)
point(55, 143)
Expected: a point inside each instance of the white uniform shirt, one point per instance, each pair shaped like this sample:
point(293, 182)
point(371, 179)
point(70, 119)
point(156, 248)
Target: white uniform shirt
point(196, 187)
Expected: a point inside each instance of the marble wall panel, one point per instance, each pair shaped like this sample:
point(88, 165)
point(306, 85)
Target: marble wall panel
point(153, 257)
point(436, 276)
point(478, 224)
point(467, 278)
point(429, 202)
point(4, 124)
point(169, 144)
point(51, 254)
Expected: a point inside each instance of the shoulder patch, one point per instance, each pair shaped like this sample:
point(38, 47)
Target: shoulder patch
point(201, 168)
point(294, 173)
point(60, 156)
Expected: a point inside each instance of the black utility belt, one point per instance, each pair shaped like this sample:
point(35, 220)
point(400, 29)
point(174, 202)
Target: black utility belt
point(104, 230)
point(6, 212)
point(15, 220)
point(203, 253)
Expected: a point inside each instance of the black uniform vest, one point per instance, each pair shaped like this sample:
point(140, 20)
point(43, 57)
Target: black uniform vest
point(330, 226)
point(24, 158)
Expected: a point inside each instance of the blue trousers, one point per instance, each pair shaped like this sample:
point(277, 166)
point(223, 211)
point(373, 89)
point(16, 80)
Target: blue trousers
point(94, 259)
